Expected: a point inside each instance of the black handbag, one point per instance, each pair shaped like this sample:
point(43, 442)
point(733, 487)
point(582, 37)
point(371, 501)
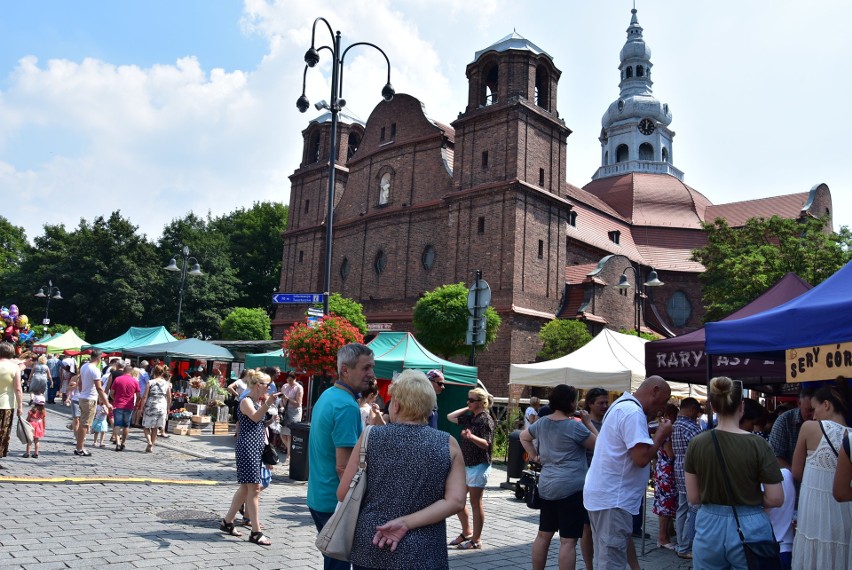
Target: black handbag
point(759, 555)
point(531, 497)
point(270, 456)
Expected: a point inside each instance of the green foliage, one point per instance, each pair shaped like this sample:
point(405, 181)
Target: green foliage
point(352, 311)
point(632, 332)
point(247, 324)
point(59, 329)
point(742, 263)
point(13, 245)
point(561, 337)
point(440, 321)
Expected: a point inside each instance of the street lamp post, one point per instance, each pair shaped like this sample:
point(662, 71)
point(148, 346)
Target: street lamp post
point(639, 294)
point(335, 104)
point(52, 293)
point(173, 267)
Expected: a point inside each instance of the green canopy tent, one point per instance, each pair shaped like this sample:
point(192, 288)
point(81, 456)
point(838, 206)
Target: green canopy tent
point(189, 349)
point(134, 337)
point(396, 351)
point(273, 358)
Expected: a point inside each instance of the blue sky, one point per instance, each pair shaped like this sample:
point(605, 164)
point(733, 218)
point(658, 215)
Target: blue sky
point(160, 107)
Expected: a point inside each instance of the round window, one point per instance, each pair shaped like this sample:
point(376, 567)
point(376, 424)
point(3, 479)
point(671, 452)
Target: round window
point(381, 262)
point(428, 257)
point(679, 309)
point(344, 268)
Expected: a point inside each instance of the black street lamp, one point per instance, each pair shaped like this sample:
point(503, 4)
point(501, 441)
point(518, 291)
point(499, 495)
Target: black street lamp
point(335, 104)
point(639, 294)
point(173, 267)
point(52, 293)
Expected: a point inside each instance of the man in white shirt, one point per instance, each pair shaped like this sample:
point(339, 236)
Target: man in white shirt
point(616, 480)
point(91, 391)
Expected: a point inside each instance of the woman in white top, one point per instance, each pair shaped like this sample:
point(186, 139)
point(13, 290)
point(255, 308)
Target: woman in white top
point(292, 401)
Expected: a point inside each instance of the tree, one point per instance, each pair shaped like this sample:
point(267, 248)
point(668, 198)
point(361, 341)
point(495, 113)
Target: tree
point(352, 311)
point(13, 245)
point(561, 337)
point(632, 332)
point(314, 348)
point(440, 320)
point(247, 324)
point(741, 263)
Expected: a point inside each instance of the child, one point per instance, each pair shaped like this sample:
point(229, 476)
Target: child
point(99, 426)
point(37, 418)
point(782, 519)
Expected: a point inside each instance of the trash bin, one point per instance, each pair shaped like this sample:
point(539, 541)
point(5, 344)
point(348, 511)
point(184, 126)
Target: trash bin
point(517, 460)
point(299, 434)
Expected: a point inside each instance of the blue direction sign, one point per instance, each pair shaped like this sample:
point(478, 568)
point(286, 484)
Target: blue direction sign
point(297, 298)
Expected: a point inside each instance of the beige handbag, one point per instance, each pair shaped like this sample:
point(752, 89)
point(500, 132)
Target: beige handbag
point(335, 538)
point(25, 431)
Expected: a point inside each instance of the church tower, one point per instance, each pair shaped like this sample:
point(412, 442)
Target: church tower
point(635, 136)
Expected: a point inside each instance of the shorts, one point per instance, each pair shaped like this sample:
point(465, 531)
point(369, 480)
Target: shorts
point(477, 476)
point(566, 515)
point(75, 408)
point(122, 417)
point(87, 411)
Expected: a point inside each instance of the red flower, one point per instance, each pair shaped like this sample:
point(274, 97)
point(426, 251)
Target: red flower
point(315, 348)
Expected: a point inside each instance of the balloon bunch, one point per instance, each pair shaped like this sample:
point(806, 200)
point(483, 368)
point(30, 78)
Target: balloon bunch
point(16, 326)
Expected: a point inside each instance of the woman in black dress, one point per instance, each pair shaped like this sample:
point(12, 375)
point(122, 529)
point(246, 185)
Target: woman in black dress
point(249, 450)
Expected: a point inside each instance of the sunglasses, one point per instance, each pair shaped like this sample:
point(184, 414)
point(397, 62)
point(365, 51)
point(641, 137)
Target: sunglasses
point(474, 400)
point(441, 384)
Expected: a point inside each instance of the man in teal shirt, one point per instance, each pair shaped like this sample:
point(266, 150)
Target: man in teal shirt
point(335, 429)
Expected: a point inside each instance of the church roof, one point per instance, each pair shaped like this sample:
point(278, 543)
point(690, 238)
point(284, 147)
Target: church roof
point(652, 199)
point(738, 213)
point(513, 41)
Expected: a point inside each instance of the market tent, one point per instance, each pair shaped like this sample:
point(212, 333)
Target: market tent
point(683, 358)
point(46, 339)
point(190, 348)
point(817, 317)
point(66, 341)
point(396, 351)
point(135, 337)
point(611, 360)
point(273, 358)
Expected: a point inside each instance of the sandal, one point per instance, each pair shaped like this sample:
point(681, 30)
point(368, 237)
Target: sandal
point(260, 538)
point(459, 539)
point(228, 528)
point(469, 545)
point(247, 523)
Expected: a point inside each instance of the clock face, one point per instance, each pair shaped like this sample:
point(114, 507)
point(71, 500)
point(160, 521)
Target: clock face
point(646, 126)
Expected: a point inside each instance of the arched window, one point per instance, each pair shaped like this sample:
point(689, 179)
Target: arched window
point(679, 309)
point(354, 142)
point(344, 268)
point(665, 154)
point(542, 88)
point(428, 257)
point(313, 148)
point(380, 262)
point(646, 151)
point(622, 154)
point(606, 158)
point(384, 188)
point(640, 71)
point(629, 72)
point(490, 85)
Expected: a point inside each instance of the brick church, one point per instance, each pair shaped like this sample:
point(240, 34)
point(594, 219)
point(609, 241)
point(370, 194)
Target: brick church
point(421, 203)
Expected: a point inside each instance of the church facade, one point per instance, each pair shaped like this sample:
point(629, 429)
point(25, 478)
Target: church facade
point(421, 203)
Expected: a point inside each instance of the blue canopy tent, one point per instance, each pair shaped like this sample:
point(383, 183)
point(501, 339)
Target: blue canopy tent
point(817, 317)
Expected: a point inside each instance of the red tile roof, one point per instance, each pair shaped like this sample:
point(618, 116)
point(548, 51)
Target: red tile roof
point(738, 213)
point(579, 273)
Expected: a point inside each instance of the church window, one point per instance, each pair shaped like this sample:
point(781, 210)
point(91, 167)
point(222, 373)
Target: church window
point(382, 135)
point(484, 159)
point(428, 257)
point(572, 218)
point(313, 148)
point(542, 88)
point(380, 262)
point(488, 94)
point(344, 268)
point(541, 177)
point(615, 236)
point(307, 206)
point(384, 189)
point(480, 225)
point(541, 249)
point(629, 72)
point(606, 158)
point(665, 154)
point(622, 153)
point(679, 309)
point(393, 131)
point(354, 142)
point(640, 71)
point(646, 151)
point(301, 256)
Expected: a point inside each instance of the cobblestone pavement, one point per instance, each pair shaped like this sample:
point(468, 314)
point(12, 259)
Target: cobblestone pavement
point(162, 510)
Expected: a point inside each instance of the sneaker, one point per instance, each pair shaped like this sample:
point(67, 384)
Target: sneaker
point(82, 452)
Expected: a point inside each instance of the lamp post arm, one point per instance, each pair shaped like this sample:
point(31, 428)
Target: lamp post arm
point(314, 29)
point(343, 56)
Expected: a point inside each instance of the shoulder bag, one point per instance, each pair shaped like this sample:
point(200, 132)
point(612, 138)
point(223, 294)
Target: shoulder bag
point(335, 538)
point(760, 555)
point(25, 431)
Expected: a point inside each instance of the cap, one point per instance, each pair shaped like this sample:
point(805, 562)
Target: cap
point(434, 373)
point(38, 400)
point(143, 364)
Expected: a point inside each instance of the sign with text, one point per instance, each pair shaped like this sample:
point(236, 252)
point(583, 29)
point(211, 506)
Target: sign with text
point(378, 327)
point(825, 362)
point(297, 298)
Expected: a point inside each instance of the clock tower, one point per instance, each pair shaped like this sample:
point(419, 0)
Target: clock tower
point(635, 136)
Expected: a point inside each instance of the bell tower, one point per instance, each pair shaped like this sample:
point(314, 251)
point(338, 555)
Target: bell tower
point(510, 129)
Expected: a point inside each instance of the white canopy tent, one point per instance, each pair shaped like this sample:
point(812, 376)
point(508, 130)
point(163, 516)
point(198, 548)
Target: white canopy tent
point(611, 360)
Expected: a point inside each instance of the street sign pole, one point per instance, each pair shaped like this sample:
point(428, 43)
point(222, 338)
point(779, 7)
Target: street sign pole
point(478, 313)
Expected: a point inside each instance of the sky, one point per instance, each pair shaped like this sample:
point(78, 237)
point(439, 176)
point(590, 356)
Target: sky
point(161, 107)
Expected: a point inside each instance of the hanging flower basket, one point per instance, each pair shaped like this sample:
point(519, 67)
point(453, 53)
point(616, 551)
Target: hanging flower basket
point(315, 348)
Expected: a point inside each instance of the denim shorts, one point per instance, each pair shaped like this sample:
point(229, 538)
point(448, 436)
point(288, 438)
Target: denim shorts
point(121, 418)
point(477, 476)
point(75, 408)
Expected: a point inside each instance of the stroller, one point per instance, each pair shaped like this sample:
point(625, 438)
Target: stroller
point(528, 480)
